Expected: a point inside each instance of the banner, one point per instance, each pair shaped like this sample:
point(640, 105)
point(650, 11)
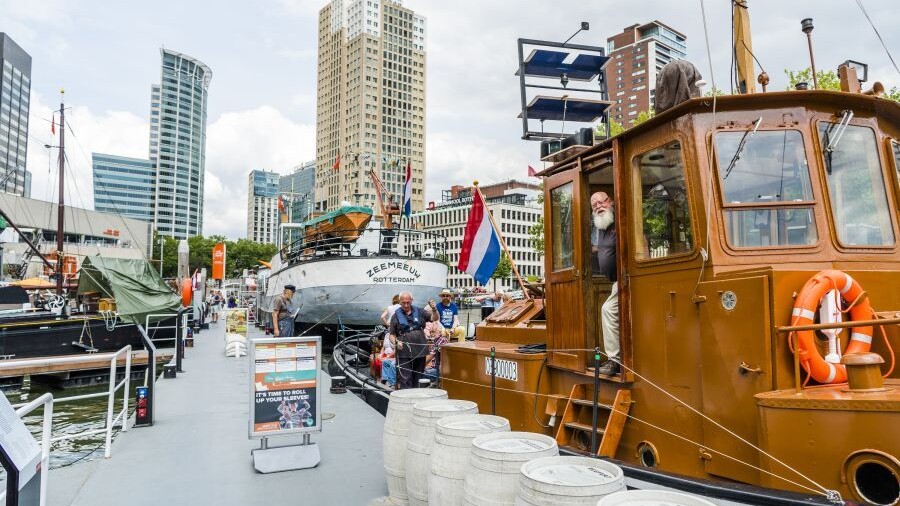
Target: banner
point(235, 323)
point(285, 378)
point(218, 261)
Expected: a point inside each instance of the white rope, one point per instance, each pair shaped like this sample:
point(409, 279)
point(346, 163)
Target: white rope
point(826, 492)
point(886, 50)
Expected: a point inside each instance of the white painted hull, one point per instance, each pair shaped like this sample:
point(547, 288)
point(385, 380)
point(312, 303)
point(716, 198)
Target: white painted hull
point(355, 290)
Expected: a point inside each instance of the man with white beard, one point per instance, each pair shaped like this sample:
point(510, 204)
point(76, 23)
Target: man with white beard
point(603, 241)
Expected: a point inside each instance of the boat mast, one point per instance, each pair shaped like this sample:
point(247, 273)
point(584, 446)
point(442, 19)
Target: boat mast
point(61, 213)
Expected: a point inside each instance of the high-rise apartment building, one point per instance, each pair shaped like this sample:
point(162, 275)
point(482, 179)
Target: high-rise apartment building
point(370, 101)
point(124, 186)
point(262, 206)
point(298, 189)
point(15, 95)
point(636, 57)
point(178, 143)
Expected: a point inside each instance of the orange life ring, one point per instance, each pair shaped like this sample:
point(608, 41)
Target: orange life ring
point(187, 292)
point(804, 313)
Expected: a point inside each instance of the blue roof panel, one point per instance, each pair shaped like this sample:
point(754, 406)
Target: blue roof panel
point(545, 63)
point(575, 110)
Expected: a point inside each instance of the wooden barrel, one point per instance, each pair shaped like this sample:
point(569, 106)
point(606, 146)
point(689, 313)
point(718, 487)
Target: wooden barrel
point(396, 428)
point(421, 441)
point(453, 437)
point(497, 458)
point(568, 481)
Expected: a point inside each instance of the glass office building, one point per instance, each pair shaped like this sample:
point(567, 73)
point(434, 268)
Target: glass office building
point(15, 91)
point(124, 186)
point(262, 206)
point(178, 143)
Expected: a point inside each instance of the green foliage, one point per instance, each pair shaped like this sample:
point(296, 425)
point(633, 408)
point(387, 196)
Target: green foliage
point(714, 92)
point(893, 94)
point(615, 128)
point(828, 79)
point(241, 254)
point(642, 117)
point(537, 236)
point(504, 268)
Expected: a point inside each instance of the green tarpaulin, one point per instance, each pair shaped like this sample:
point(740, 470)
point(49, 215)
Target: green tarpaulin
point(338, 212)
point(134, 284)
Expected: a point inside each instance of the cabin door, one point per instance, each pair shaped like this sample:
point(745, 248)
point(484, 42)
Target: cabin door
point(565, 268)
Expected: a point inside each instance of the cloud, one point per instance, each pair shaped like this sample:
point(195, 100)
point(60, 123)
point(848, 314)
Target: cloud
point(112, 132)
point(238, 142)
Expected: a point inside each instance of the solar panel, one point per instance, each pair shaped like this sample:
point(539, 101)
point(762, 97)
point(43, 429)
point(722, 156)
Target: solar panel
point(546, 63)
point(574, 109)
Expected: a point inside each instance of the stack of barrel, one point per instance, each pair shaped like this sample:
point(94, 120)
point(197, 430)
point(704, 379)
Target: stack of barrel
point(441, 452)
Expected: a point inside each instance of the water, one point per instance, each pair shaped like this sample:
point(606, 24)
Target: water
point(72, 417)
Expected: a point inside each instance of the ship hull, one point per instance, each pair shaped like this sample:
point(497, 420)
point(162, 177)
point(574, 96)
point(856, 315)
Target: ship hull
point(355, 290)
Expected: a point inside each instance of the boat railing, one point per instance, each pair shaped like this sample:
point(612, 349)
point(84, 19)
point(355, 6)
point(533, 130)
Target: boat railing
point(47, 401)
point(400, 242)
point(153, 328)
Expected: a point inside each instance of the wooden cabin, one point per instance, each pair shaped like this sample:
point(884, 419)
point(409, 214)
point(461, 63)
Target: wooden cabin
point(723, 211)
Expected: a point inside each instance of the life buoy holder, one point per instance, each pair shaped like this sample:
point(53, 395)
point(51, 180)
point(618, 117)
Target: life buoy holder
point(187, 292)
point(804, 313)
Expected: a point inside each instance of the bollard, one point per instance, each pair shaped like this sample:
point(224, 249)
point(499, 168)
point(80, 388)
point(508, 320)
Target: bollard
point(338, 384)
point(493, 381)
point(424, 383)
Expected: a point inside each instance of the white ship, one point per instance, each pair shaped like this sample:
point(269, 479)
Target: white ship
point(349, 275)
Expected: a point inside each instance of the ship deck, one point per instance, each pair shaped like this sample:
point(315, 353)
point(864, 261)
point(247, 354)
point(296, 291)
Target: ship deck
point(197, 451)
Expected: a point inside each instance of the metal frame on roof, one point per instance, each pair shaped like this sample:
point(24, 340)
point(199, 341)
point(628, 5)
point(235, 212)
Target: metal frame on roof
point(542, 63)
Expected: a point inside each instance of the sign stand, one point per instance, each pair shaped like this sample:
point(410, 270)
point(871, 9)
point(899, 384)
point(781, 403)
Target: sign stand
point(285, 374)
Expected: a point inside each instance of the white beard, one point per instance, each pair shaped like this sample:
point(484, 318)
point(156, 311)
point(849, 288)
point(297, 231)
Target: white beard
point(604, 219)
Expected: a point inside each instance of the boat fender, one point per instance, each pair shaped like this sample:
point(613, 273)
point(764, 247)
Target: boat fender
point(804, 311)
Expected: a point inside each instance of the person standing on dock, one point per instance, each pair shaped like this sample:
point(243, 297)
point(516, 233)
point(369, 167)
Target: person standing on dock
point(603, 244)
point(283, 312)
point(407, 334)
point(448, 313)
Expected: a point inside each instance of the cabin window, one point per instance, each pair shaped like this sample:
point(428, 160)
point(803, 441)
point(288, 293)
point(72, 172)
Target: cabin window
point(664, 211)
point(563, 226)
point(895, 146)
point(856, 186)
point(765, 179)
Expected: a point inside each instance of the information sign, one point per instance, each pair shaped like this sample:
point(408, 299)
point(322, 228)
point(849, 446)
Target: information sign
point(20, 451)
point(285, 374)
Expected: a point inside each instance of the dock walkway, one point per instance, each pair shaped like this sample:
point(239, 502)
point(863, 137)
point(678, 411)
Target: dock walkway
point(197, 452)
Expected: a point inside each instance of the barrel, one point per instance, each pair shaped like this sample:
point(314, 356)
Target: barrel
point(568, 481)
point(453, 437)
point(396, 427)
point(493, 475)
point(421, 441)
point(644, 497)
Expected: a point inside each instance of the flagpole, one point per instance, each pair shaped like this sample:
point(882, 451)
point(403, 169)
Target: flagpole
point(502, 240)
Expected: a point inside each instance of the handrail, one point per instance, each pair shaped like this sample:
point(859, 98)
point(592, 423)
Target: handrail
point(46, 401)
point(838, 325)
point(160, 317)
point(111, 421)
point(350, 242)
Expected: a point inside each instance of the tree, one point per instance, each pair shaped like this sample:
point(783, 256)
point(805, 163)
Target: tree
point(615, 128)
point(537, 236)
point(828, 79)
point(241, 254)
point(503, 270)
point(714, 92)
point(642, 117)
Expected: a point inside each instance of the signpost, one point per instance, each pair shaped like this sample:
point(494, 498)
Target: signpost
point(21, 457)
point(285, 380)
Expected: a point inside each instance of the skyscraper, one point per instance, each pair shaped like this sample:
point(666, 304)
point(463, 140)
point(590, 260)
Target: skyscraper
point(262, 206)
point(299, 187)
point(636, 57)
point(15, 95)
point(178, 143)
point(124, 186)
point(370, 101)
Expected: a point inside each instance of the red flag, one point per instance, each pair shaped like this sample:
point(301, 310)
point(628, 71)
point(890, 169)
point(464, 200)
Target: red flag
point(337, 162)
point(531, 171)
point(281, 204)
point(53, 125)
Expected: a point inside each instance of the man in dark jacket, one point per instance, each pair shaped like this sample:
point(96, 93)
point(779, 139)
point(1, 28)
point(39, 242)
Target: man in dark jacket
point(603, 241)
point(407, 333)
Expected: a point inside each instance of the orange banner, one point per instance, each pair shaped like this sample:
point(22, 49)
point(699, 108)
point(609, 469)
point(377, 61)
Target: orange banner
point(218, 261)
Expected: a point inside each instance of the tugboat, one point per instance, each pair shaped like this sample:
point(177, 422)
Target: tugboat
point(738, 218)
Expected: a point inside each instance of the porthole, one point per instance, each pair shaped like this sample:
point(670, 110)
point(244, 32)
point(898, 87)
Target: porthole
point(647, 454)
point(873, 477)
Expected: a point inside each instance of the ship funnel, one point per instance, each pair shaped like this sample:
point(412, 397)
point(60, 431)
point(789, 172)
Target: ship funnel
point(877, 90)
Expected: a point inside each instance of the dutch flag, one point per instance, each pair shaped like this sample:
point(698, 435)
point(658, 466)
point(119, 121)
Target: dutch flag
point(407, 191)
point(481, 247)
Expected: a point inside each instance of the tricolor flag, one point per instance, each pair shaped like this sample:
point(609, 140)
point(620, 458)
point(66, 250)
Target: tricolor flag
point(337, 162)
point(531, 171)
point(53, 125)
point(407, 191)
point(480, 252)
point(281, 204)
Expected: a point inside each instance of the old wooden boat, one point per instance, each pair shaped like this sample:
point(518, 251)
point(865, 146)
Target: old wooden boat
point(338, 224)
point(725, 211)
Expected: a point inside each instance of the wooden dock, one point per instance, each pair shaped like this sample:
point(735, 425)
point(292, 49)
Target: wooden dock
point(14, 368)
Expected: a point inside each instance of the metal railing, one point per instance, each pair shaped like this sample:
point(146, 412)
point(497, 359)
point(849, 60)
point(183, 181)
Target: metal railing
point(371, 242)
point(111, 420)
point(152, 329)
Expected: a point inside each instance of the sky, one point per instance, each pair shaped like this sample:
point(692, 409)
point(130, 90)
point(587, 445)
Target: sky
point(262, 98)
